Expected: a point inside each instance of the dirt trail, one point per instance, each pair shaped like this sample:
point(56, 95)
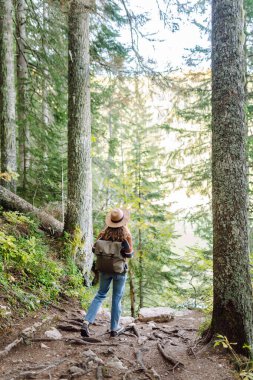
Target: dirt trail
point(126, 357)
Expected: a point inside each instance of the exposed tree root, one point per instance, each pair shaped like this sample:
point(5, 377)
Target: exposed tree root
point(140, 367)
point(130, 328)
point(136, 331)
point(35, 371)
point(174, 362)
point(32, 340)
point(58, 308)
point(139, 359)
point(72, 321)
point(206, 336)
point(157, 335)
point(24, 336)
point(81, 341)
point(91, 340)
point(205, 341)
point(10, 346)
point(99, 373)
point(131, 371)
point(69, 328)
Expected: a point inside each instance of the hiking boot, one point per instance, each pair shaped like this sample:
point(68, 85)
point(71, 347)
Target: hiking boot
point(117, 332)
point(85, 332)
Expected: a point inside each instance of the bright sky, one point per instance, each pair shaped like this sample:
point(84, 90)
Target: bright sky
point(173, 45)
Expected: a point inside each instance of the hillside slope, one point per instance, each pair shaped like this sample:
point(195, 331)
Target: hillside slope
point(35, 268)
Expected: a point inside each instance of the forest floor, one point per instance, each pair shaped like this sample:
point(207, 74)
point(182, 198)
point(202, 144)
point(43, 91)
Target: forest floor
point(126, 357)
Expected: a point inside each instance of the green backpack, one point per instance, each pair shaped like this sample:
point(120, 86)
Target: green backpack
point(109, 258)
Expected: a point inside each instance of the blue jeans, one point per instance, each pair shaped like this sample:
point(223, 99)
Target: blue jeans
point(105, 280)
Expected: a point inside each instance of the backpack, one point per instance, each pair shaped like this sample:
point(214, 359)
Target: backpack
point(109, 257)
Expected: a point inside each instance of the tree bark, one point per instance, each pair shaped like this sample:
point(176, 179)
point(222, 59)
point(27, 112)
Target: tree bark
point(47, 115)
point(22, 81)
point(132, 290)
point(79, 205)
point(11, 201)
point(141, 269)
point(7, 93)
point(232, 310)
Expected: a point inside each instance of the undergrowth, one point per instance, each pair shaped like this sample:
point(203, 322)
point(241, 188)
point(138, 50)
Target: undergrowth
point(34, 269)
point(243, 365)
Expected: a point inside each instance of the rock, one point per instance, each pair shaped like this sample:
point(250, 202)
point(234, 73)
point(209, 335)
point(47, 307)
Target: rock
point(94, 358)
point(89, 353)
point(152, 324)
point(156, 314)
point(76, 370)
point(126, 320)
point(142, 339)
point(15, 361)
point(182, 313)
point(116, 363)
point(82, 312)
point(154, 374)
point(106, 372)
point(103, 313)
point(42, 345)
point(53, 334)
point(5, 310)
point(98, 360)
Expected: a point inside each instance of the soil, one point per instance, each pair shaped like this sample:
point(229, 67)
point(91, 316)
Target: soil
point(125, 357)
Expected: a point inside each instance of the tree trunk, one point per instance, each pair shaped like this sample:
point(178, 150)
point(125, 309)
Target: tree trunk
point(232, 311)
point(47, 116)
point(138, 192)
point(132, 289)
point(11, 201)
point(7, 93)
point(141, 269)
point(22, 81)
point(79, 206)
point(109, 160)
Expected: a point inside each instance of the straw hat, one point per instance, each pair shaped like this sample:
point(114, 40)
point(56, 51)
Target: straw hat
point(117, 218)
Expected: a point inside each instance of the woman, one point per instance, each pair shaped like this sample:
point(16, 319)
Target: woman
point(116, 230)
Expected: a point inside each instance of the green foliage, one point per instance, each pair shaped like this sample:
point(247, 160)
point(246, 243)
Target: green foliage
point(128, 171)
point(73, 284)
point(30, 275)
point(14, 217)
point(21, 221)
point(24, 260)
point(47, 55)
point(242, 365)
point(73, 244)
point(195, 278)
point(129, 165)
point(205, 326)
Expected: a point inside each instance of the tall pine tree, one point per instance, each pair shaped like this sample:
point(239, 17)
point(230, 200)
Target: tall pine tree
point(232, 308)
